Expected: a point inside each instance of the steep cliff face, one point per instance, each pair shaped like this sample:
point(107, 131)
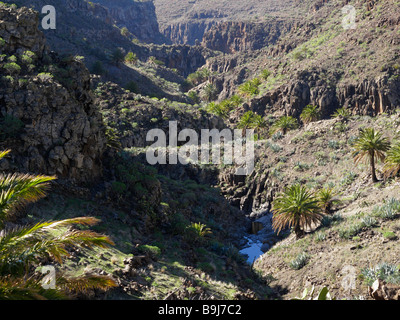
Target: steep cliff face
point(230, 37)
point(184, 22)
point(48, 117)
point(190, 32)
point(138, 17)
point(371, 96)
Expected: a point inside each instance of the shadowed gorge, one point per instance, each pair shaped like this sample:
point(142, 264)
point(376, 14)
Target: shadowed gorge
point(311, 89)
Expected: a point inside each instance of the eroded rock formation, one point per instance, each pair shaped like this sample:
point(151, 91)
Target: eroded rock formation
point(59, 129)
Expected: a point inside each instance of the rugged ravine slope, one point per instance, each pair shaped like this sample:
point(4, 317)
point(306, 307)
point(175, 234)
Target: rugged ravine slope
point(54, 125)
point(105, 35)
point(357, 236)
point(139, 17)
point(186, 22)
point(49, 118)
point(322, 63)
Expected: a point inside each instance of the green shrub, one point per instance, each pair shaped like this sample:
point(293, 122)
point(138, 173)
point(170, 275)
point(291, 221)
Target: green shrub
point(389, 210)
point(265, 74)
point(342, 113)
point(152, 251)
point(389, 235)
point(198, 77)
point(310, 113)
point(368, 221)
point(28, 57)
point(275, 148)
point(194, 97)
point(206, 267)
point(197, 232)
point(12, 68)
point(320, 236)
point(45, 76)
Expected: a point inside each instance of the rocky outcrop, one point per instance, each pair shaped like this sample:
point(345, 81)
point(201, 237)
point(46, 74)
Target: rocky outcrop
point(186, 59)
point(230, 37)
point(248, 193)
point(190, 32)
point(56, 127)
point(368, 97)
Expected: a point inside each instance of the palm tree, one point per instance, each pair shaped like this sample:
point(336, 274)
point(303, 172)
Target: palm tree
point(236, 100)
point(327, 199)
point(310, 113)
point(210, 92)
point(246, 121)
point(131, 58)
point(284, 124)
point(259, 123)
point(370, 145)
point(296, 207)
point(217, 109)
point(23, 248)
point(250, 88)
point(342, 113)
point(392, 161)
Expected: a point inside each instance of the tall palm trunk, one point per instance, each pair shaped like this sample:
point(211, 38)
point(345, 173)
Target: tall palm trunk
point(372, 161)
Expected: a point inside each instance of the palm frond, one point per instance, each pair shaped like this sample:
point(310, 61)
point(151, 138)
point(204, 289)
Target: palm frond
point(370, 142)
point(85, 283)
point(17, 190)
point(13, 288)
point(392, 161)
point(4, 153)
point(21, 246)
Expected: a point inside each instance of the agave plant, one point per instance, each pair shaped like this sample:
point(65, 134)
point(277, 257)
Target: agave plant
point(23, 248)
point(296, 207)
point(392, 161)
point(370, 145)
point(310, 113)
